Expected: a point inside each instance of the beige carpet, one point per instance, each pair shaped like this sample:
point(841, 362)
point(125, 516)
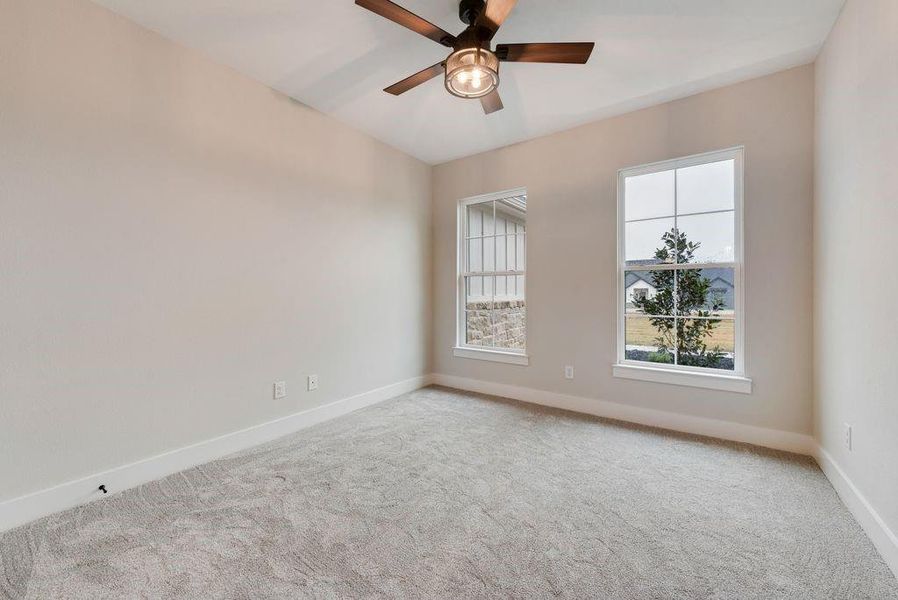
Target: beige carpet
point(439, 494)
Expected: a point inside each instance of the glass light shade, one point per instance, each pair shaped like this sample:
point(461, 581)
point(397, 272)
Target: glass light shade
point(472, 72)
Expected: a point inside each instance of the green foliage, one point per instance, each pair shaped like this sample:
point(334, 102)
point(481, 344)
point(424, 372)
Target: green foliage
point(686, 336)
point(661, 357)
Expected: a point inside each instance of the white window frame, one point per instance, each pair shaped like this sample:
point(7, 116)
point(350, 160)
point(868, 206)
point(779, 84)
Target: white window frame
point(462, 349)
point(733, 381)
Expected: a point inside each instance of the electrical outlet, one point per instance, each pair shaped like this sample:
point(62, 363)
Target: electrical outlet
point(846, 434)
point(280, 390)
point(569, 372)
point(313, 383)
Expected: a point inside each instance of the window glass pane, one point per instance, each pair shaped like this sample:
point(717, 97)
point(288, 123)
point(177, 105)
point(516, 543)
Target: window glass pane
point(706, 187)
point(475, 220)
point(713, 234)
point(682, 316)
point(488, 227)
point(649, 292)
point(644, 239)
point(509, 325)
point(650, 339)
point(706, 292)
point(489, 286)
point(489, 253)
point(505, 223)
point(649, 196)
point(474, 289)
point(477, 327)
point(501, 286)
point(707, 343)
point(494, 311)
point(511, 252)
point(502, 253)
point(479, 288)
point(475, 255)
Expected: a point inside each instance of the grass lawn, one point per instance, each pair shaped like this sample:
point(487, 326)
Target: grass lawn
point(641, 333)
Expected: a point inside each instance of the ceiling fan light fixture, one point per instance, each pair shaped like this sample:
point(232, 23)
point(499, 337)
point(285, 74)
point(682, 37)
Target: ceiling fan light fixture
point(472, 72)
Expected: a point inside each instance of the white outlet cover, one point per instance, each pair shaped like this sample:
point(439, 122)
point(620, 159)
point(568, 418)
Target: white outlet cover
point(847, 433)
point(280, 390)
point(313, 383)
point(568, 372)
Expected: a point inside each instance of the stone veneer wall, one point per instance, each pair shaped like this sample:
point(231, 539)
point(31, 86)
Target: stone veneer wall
point(506, 328)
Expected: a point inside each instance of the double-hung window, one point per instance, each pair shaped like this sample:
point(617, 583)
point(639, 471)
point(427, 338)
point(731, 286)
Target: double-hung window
point(680, 272)
point(492, 246)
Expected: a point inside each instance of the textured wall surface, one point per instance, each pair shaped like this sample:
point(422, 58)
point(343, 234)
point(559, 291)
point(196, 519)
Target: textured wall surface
point(571, 247)
point(499, 324)
point(173, 239)
point(856, 212)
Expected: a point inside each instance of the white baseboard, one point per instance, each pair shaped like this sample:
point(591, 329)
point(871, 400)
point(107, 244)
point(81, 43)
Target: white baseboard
point(770, 438)
point(885, 541)
point(27, 508)
point(883, 538)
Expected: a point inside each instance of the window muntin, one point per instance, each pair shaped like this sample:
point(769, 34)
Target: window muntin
point(680, 264)
point(492, 272)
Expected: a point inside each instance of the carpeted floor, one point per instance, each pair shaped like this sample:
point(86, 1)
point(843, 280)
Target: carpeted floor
point(440, 494)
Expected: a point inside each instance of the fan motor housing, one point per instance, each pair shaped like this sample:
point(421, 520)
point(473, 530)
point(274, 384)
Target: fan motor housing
point(469, 9)
point(472, 37)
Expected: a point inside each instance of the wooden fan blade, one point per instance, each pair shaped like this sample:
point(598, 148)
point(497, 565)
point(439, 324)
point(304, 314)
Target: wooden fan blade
point(494, 14)
point(415, 80)
point(491, 102)
point(397, 14)
point(562, 52)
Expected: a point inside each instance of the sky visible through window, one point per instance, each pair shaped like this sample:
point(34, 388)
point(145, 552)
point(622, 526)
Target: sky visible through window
point(702, 196)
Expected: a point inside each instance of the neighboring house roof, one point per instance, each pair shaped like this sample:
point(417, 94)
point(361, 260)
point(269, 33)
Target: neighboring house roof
point(719, 281)
point(718, 277)
point(637, 276)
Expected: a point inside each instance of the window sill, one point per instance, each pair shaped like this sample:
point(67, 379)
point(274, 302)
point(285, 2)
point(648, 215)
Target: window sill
point(509, 358)
point(711, 381)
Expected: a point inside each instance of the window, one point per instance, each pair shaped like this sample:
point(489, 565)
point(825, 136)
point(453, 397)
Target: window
point(680, 269)
point(492, 244)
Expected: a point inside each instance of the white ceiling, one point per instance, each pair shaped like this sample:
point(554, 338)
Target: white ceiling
point(337, 58)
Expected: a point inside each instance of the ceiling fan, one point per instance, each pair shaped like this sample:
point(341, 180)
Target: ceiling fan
point(472, 69)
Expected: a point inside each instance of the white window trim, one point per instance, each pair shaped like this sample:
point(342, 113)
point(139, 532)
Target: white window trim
point(734, 381)
point(713, 381)
point(461, 349)
point(500, 356)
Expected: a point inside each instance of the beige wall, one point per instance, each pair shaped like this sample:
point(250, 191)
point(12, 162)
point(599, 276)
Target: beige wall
point(856, 213)
point(174, 238)
point(571, 224)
